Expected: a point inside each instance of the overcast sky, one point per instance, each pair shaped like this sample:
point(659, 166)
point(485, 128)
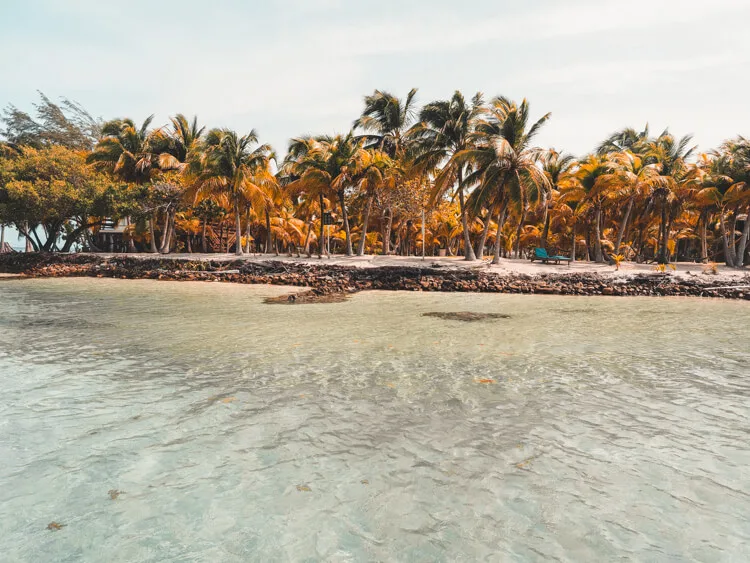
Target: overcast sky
point(287, 67)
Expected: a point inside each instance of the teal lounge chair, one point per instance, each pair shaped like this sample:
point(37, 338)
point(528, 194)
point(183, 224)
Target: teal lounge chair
point(541, 255)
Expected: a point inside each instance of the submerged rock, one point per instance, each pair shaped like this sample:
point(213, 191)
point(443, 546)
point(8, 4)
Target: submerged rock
point(308, 297)
point(466, 316)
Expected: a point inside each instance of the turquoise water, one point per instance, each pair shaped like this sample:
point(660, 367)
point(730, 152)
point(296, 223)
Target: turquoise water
point(611, 429)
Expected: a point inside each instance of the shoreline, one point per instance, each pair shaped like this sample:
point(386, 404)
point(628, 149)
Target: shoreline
point(328, 279)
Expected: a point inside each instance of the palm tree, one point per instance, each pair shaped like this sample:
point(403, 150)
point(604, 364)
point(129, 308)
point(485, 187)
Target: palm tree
point(386, 120)
point(235, 166)
point(501, 156)
point(721, 177)
point(445, 128)
point(592, 190)
point(670, 156)
point(125, 151)
point(631, 178)
point(558, 168)
point(376, 169)
point(627, 139)
point(179, 150)
point(329, 167)
point(737, 152)
point(179, 146)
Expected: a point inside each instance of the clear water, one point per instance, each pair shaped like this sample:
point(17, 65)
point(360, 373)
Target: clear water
point(616, 429)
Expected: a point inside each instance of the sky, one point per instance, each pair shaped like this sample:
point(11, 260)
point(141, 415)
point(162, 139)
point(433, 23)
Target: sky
point(293, 67)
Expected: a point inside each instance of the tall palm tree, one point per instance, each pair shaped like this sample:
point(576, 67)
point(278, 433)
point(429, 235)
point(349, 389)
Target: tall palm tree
point(670, 156)
point(329, 167)
point(386, 120)
point(444, 129)
point(737, 152)
point(239, 168)
point(632, 178)
point(376, 170)
point(178, 148)
point(593, 190)
point(501, 156)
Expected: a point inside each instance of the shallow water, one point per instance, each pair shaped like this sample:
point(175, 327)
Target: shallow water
point(612, 429)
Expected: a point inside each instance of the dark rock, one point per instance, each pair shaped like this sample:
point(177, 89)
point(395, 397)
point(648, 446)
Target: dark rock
point(466, 316)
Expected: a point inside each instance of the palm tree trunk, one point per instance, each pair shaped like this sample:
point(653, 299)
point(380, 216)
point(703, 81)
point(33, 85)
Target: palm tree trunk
point(624, 224)
point(166, 242)
point(500, 221)
point(704, 235)
point(662, 258)
point(598, 235)
point(164, 231)
point(481, 243)
point(151, 221)
point(519, 229)
point(468, 249)
point(728, 249)
point(307, 238)
point(573, 251)
point(545, 230)
point(268, 232)
point(238, 226)
point(365, 220)
point(204, 248)
point(2, 236)
point(387, 233)
point(742, 246)
point(321, 239)
point(345, 215)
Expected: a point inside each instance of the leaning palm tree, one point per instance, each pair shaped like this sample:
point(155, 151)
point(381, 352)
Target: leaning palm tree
point(235, 166)
point(386, 120)
point(501, 156)
point(444, 129)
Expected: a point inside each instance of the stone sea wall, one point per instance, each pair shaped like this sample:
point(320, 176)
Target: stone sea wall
point(329, 279)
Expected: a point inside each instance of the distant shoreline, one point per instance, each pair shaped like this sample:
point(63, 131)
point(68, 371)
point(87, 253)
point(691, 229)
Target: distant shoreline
point(349, 275)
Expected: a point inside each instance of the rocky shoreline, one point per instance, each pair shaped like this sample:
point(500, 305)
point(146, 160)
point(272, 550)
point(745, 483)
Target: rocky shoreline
point(328, 282)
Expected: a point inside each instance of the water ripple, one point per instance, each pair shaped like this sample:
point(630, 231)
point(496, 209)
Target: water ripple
point(576, 430)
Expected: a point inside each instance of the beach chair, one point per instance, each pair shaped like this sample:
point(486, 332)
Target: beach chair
point(541, 255)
